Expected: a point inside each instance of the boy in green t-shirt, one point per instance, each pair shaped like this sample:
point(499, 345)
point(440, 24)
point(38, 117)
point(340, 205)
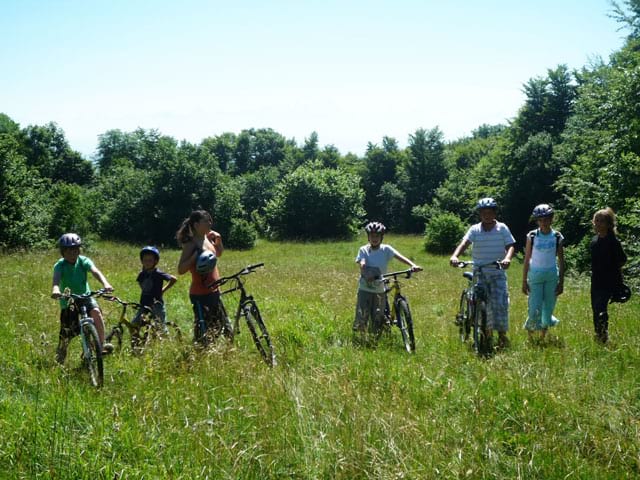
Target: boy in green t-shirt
point(71, 272)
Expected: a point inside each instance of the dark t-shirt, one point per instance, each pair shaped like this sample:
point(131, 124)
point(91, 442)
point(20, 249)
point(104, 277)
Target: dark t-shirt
point(151, 283)
point(607, 258)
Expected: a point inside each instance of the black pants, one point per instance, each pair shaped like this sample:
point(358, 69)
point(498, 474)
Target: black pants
point(599, 302)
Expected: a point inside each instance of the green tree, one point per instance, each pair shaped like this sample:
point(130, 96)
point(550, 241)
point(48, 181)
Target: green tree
point(314, 202)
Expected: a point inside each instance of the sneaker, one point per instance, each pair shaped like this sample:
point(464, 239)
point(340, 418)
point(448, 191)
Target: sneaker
point(107, 348)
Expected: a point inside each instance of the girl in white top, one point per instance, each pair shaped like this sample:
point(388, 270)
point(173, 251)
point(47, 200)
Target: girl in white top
point(543, 272)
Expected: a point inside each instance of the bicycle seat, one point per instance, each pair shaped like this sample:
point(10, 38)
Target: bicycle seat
point(468, 275)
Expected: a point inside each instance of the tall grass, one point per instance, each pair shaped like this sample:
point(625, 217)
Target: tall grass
point(566, 409)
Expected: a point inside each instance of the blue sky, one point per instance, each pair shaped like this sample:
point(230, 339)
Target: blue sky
point(353, 71)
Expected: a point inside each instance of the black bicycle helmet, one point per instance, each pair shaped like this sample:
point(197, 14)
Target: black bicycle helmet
point(542, 210)
point(486, 202)
point(375, 227)
point(150, 249)
point(206, 262)
point(69, 240)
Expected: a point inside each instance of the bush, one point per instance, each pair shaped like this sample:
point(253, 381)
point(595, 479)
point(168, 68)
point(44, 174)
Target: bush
point(314, 202)
point(242, 235)
point(443, 233)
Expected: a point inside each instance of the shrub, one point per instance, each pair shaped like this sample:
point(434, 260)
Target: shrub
point(242, 235)
point(443, 232)
point(314, 202)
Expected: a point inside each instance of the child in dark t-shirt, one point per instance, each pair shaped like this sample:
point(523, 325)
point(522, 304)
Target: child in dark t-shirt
point(152, 283)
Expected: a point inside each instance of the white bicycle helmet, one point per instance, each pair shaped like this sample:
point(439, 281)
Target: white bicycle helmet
point(542, 210)
point(375, 227)
point(486, 202)
point(206, 262)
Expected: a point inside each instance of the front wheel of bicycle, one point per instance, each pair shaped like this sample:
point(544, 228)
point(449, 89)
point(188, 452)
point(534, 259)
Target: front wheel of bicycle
point(115, 334)
point(463, 318)
point(92, 354)
point(481, 341)
point(259, 333)
point(405, 323)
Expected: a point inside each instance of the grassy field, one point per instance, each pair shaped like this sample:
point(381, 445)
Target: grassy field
point(567, 409)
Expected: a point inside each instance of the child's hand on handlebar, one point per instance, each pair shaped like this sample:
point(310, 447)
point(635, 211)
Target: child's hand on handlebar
point(416, 268)
point(454, 261)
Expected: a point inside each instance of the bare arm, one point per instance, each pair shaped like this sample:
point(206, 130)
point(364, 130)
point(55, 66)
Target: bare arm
point(187, 258)
point(561, 268)
point(55, 288)
point(460, 249)
point(216, 239)
point(525, 268)
point(97, 274)
point(170, 284)
point(506, 261)
point(405, 260)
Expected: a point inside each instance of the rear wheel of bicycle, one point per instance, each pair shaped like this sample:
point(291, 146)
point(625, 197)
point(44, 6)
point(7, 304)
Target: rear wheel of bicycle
point(481, 341)
point(259, 333)
point(405, 323)
point(92, 354)
point(463, 319)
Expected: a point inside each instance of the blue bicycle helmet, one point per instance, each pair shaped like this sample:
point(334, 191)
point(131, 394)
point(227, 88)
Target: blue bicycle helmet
point(150, 249)
point(542, 210)
point(486, 202)
point(206, 262)
point(69, 240)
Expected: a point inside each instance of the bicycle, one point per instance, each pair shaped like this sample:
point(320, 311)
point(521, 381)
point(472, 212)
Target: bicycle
point(144, 329)
point(398, 313)
point(472, 311)
point(247, 308)
point(91, 345)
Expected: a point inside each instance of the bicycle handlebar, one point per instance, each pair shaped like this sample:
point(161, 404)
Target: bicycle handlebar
point(496, 264)
point(245, 271)
point(94, 293)
point(407, 272)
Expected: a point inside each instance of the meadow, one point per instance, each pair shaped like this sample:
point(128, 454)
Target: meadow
point(569, 408)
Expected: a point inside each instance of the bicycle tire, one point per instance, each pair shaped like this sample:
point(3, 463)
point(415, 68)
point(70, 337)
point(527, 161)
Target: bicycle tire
point(481, 341)
point(116, 332)
point(405, 323)
point(463, 319)
point(92, 354)
point(259, 333)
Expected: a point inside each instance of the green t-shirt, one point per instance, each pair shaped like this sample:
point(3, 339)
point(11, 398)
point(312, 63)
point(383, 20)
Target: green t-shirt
point(73, 276)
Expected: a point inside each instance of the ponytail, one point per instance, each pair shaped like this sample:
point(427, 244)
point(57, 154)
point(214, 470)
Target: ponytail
point(185, 231)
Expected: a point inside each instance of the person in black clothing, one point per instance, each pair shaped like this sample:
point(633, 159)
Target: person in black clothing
point(607, 258)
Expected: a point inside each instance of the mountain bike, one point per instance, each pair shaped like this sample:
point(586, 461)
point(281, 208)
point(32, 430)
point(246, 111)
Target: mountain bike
point(397, 313)
point(248, 308)
point(143, 329)
point(471, 318)
point(91, 345)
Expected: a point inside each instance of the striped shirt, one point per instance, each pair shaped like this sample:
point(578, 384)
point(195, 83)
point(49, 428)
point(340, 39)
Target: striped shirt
point(489, 246)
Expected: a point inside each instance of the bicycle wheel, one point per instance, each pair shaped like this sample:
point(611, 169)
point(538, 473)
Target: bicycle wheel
point(481, 341)
point(259, 333)
point(405, 323)
point(115, 333)
point(92, 354)
point(463, 319)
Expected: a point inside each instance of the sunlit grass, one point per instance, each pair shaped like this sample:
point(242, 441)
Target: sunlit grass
point(569, 408)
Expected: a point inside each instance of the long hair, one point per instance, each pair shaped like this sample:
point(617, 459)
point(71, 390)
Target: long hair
point(609, 215)
point(185, 231)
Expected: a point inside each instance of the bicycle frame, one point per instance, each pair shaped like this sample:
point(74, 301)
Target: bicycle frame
point(247, 308)
point(398, 313)
point(476, 300)
point(86, 326)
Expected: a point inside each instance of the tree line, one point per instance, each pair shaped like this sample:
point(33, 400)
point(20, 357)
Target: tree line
point(574, 143)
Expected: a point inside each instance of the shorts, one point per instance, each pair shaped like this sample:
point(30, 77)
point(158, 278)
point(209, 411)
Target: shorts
point(69, 324)
point(369, 311)
point(495, 282)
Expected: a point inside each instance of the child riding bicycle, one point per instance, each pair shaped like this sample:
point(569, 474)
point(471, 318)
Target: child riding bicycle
point(71, 272)
point(492, 241)
point(373, 260)
point(152, 283)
